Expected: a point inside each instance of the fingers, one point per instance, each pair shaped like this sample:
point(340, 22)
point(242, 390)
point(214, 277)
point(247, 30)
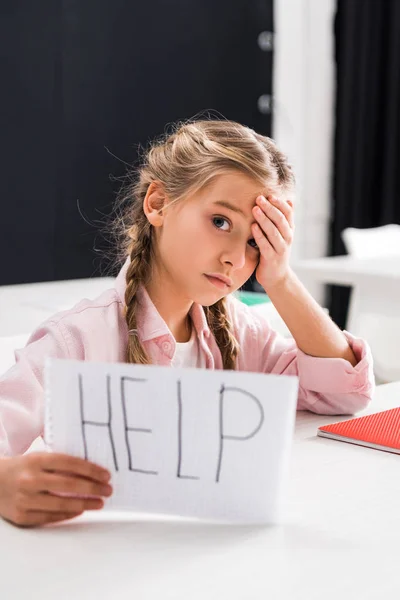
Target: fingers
point(278, 212)
point(56, 517)
point(269, 229)
point(45, 487)
point(53, 492)
point(286, 207)
point(50, 462)
point(262, 242)
point(38, 517)
point(53, 483)
point(56, 504)
point(33, 508)
point(274, 223)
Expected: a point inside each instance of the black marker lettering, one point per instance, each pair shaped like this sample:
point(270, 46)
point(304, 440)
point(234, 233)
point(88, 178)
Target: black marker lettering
point(85, 423)
point(180, 435)
point(221, 423)
point(142, 430)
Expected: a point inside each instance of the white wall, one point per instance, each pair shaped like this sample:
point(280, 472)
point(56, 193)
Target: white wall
point(303, 114)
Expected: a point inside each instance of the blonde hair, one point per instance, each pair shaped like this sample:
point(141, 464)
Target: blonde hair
point(184, 161)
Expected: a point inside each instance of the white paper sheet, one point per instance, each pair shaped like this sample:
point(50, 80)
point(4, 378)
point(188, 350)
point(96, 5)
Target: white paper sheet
point(190, 442)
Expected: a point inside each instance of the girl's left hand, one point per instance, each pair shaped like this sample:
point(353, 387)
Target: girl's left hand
point(273, 233)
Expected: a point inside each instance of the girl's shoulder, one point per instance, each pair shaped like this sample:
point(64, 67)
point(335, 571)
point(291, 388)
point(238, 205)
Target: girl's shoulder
point(87, 309)
point(93, 329)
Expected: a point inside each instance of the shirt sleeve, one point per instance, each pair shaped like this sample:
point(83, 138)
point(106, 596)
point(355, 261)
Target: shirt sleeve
point(326, 385)
point(22, 389)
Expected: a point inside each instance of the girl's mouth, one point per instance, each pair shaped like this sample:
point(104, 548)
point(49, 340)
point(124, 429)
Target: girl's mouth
point(217, 282)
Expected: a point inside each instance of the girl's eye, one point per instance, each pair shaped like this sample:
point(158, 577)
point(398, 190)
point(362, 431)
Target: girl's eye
point(255, 243)
point(217, 223)
point(220, 219)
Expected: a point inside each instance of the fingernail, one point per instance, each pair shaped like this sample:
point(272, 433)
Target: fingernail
point(106, 476)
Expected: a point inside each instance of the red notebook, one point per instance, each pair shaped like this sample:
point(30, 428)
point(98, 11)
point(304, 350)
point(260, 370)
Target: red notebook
point(380, 430)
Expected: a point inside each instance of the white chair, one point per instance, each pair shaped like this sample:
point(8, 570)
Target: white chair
point(365, 317)
point(373, 242)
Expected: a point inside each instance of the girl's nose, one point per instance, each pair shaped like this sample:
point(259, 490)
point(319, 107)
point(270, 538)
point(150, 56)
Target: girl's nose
point(236, 256)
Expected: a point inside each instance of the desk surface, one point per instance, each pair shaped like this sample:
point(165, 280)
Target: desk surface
point(346, 270)
point(339, 540)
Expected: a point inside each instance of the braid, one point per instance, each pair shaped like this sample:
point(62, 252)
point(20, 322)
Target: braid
point(136, 274)
point(221, 327)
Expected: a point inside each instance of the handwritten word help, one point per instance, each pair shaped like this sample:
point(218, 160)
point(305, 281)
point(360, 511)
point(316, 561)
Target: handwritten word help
point(129, 393)
point(182, 441)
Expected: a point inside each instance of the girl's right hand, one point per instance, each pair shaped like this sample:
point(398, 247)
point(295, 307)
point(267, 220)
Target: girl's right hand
point(29, 484)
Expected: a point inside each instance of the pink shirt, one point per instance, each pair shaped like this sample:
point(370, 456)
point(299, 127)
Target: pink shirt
point(96, 330)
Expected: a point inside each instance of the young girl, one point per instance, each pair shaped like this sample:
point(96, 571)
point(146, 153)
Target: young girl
point(212, 203)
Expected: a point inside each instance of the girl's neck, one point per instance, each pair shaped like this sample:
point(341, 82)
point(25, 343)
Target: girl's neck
point(173, 309)
point(185, 334)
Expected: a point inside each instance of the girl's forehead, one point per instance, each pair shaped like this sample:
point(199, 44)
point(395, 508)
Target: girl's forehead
point(234, 188)
point(235, 183)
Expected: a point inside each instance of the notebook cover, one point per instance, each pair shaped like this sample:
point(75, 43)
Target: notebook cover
point(380, 430)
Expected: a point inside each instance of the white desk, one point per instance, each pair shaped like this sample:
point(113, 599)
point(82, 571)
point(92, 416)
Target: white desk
point(374, 310)
point(375, 283)
point(24, 306)
point(346, 270)
point(340, 540)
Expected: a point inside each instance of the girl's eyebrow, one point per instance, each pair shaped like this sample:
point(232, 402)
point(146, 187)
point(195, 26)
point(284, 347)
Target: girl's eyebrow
point(229, 206)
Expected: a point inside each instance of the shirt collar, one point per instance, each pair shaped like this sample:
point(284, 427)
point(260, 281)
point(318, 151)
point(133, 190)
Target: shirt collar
point(150, 323)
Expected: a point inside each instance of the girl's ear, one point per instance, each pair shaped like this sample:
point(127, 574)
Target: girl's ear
point(154, 202)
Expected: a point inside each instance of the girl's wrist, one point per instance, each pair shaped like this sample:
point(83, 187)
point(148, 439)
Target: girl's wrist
point(281, 285)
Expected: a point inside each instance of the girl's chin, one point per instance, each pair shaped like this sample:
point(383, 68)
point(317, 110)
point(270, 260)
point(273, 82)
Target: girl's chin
point(209, 299)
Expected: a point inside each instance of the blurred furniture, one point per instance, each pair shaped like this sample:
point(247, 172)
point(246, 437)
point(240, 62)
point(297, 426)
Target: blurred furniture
point(381, 330)
point(339, 538)
point(373, 242)
point(24, 306)
point(373, 271)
